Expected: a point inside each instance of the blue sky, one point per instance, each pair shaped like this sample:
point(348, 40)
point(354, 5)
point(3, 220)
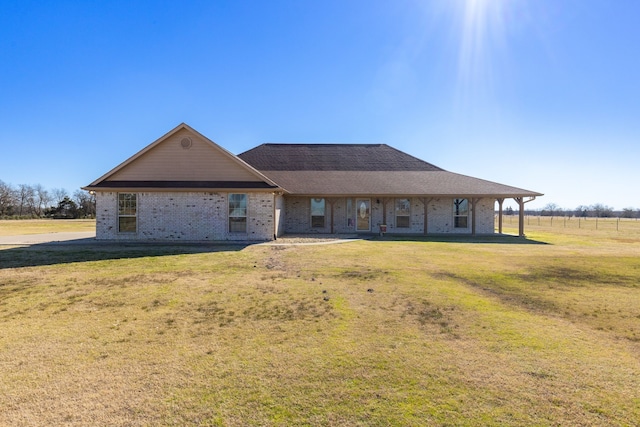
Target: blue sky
point(538, 94)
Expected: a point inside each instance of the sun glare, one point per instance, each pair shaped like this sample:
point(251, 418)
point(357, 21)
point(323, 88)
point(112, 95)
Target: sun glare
point(482, 39)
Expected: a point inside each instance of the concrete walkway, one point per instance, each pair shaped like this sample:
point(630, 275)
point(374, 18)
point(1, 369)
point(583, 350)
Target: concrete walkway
point(76, 237)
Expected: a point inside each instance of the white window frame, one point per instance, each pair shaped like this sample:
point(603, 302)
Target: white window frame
point(125, 208)
point(457, 216)
point(407, 216)
point(313, 218)
point(237, 213)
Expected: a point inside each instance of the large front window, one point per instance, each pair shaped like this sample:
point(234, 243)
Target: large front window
point(317, 213)
point(403, 216)
point(127, 213)
point(237, 213)
point(460, 213)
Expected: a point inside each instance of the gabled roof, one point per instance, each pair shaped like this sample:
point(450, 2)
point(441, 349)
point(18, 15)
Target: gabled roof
point(333, 157)
point(183, 159)
point(365, 169)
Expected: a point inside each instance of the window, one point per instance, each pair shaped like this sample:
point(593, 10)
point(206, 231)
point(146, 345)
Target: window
point(237, 213)
point(403, 217)
point(460, 213)
point(317, 213)
point(127, 213)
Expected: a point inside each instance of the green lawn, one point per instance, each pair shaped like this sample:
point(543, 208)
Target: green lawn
point(382, 332)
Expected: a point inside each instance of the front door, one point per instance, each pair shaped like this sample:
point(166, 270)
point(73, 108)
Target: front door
point(363, 214)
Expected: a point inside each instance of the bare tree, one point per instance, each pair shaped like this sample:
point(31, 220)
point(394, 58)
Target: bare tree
point(551, 209)
point(25, 199)
point(42, 199)
point(7, 199)
point(582, 211)
point(601, 211)
point(59, 195)
point(86, 203)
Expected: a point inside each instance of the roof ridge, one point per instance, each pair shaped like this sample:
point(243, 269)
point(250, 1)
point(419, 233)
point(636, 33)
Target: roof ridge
point(363, 157)
point(417, 158)
point(319, 144)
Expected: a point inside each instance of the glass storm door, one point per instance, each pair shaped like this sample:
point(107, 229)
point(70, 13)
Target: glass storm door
point(363, 214)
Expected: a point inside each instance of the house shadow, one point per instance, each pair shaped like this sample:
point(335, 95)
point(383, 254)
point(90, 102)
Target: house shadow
point(502, 239)
point(85, 250)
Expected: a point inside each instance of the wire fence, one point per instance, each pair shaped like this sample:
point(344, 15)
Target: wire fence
point(620, 225)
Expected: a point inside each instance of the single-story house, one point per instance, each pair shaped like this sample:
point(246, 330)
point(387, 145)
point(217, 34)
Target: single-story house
point(186, 187)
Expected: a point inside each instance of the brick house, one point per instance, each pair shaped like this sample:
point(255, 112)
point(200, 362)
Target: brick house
point(185, 187)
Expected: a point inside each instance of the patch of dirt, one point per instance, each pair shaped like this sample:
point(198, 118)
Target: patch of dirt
point(302, 239)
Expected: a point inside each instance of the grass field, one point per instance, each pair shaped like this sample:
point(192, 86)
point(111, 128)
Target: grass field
point(384, 332)
point(42, 226)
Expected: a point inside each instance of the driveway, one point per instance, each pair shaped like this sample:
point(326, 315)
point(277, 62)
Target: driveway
point(76, 237)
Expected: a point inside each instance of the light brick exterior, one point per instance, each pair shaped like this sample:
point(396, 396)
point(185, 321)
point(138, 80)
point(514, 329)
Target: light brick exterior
point(183, 181)
point(297, 213)
point(200, 216)
point(185, 216)
point(279, 212)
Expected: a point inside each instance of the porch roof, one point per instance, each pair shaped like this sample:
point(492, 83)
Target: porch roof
point(365, 169)
point(391, 183)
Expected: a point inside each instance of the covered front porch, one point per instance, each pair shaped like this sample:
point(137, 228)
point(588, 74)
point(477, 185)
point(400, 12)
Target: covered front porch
point(415, 215)
point(366, 214)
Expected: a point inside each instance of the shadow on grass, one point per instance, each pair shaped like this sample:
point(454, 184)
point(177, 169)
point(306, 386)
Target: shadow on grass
point(503, 239)
point(90, 250)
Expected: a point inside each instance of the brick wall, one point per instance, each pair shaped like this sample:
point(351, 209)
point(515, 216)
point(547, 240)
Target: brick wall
point(193, 216)
point(185, 216)
point(440, 216)
point(279, 212)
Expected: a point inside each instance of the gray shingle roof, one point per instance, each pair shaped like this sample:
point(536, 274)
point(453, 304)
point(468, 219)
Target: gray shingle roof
point(371, 169)
point(391, 183)
point(333, 157)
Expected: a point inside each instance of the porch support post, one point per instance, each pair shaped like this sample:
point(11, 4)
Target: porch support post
point(473, 214)
point(425, 201)
point(500, 201)
point(520, 201)
point(385, 200)
point(331, 203)
point(384, 211)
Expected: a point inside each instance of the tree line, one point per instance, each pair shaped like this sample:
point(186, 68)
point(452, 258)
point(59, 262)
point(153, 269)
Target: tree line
point(35, 201)
point(597, 210)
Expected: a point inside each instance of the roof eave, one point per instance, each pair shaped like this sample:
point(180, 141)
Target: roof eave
point(182, 189)
point(399, 195)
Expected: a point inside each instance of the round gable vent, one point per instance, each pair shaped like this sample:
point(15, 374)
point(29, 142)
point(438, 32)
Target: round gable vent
point(185, 143)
